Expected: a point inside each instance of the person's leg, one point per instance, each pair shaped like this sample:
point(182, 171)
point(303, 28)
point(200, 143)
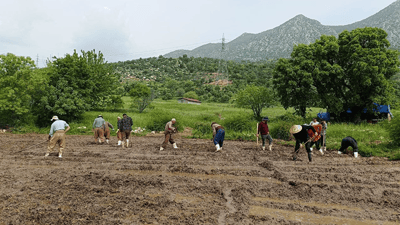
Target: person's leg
point(62, 144)
point(217, 140)
point(222, 138)
point(101, 135)
point(166, 140)
point(96, 134)
point(172, 141)
point(270, 141)
point(52, 144)
point(308, 148)
point(107, 135)
point(127, 135)
point(263, 138)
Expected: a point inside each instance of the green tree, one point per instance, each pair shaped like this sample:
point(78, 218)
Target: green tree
point(180, 92)
point(191, 94)
point(293, 83)
point(16, 87)
point(351, 71)
point(77, 83)
point(255, 98)
point(142, 97)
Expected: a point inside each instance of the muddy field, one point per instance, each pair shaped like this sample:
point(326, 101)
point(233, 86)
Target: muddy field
point(106, 184)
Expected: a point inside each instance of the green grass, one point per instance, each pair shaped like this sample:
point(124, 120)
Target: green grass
point(373, 139)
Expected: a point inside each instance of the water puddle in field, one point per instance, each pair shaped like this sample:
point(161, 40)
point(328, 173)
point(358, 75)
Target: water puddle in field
point(310, 218)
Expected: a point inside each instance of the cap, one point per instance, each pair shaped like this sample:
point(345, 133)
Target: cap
point(265, 118)
point(54, 118)
point(295, 129)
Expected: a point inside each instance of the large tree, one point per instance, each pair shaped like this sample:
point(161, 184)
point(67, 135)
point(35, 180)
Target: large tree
point(16, 88)
point(351, 71)
point(255, 98)
point(77, 83)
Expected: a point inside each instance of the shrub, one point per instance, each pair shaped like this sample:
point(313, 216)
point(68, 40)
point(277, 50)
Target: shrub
point(201, 129)
point(239, 123)
point(394, 130)
point(280, 130)
point(158, 121)
point(282, 125)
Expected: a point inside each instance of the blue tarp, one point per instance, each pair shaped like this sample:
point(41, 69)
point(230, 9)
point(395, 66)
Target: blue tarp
point(379, 108)
point(324, 116)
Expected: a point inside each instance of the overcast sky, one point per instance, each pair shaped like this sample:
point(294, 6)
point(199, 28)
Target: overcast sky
point(126, 30)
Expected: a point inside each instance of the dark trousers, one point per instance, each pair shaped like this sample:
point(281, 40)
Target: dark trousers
point(308, 146)
point(219, 137)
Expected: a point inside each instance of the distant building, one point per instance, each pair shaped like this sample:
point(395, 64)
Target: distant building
point(189, 101)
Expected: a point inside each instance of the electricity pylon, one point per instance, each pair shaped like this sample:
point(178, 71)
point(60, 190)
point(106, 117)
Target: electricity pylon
point(222, 65)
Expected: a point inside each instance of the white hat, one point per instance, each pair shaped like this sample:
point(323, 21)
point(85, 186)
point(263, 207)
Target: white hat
point(173, 119)
point(295, 129)
point(54, 118)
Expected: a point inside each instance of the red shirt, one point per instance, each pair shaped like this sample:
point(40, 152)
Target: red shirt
point(263, 128)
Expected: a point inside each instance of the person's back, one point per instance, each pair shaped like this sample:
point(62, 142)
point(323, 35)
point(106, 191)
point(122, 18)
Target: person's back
point(126, 123)
point(98, 122)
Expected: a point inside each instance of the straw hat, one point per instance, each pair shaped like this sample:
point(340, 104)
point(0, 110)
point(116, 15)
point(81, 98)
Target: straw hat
point(295, 129)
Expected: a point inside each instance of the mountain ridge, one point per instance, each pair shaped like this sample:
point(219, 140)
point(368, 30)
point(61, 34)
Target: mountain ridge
point(278, 42)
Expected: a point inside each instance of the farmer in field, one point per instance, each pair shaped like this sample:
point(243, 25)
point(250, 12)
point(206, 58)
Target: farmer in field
point(125, 127)
point(119, 133)
point(301, 134)
point(169, 131)
point(106, 128)
point(264, 131)
point(57, 135)
point(218, 135)
point(314, 122)
point(349, 142)
point(317, 139)
point(98, 129)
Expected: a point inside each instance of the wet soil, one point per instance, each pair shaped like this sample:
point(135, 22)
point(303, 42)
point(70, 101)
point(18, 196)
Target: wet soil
point(108, 184)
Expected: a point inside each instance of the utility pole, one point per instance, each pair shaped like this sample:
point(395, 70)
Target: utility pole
point(37, 60)
point(222, 65)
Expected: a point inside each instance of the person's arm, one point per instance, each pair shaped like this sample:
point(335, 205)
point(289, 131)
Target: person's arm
point(94, 122)
point(110, 125)
point(66, 130)
point(51, 131)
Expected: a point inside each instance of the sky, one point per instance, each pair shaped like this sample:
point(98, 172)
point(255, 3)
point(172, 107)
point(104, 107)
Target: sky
point(125, 30)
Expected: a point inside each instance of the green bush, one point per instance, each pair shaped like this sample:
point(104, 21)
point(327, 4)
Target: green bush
point(158, 121)
point(201, 129)
point(280, 130)
point(394, 130)
point(239, 123)
point(282, 124)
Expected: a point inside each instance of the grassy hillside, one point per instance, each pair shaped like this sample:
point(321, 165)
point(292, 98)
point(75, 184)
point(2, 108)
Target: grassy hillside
point(373, 139)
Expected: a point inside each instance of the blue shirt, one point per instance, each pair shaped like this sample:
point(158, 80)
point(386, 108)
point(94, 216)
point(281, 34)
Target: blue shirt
point(58, 125)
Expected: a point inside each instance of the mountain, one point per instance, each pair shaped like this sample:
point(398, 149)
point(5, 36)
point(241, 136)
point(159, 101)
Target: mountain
point(278, 42)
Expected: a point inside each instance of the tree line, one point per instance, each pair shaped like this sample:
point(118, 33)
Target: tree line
point(353, 71)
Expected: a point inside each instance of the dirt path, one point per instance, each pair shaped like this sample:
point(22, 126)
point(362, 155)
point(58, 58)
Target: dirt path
point(106, 184)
